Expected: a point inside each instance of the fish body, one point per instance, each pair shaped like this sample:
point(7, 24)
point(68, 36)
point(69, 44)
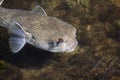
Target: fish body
point(38, 29)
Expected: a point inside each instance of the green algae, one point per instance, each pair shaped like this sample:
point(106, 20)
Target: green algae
point(9, 72)
point(3, 67)
point(73, 3)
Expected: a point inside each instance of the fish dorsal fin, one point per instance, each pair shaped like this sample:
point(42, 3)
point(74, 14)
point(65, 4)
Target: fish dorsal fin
point(17, 37)
point(1, 1)
point(39, 10)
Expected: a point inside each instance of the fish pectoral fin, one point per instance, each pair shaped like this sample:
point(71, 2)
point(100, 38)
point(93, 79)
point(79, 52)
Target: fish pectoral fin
point(16, 29)
point(1, 1)
point(16, 43)
point(3, 24)
point(17, 37)
point(39, 10)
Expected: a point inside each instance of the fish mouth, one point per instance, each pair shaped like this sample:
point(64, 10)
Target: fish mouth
point(73, 46)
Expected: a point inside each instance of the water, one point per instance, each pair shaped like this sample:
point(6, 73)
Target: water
point(98, 33)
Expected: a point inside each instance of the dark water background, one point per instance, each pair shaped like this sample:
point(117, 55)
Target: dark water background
point(97, 56)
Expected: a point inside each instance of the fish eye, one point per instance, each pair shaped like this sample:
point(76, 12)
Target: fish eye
point(56, 43)
point(52, 43)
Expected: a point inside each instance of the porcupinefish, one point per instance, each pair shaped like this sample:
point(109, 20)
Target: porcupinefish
point(38, 29)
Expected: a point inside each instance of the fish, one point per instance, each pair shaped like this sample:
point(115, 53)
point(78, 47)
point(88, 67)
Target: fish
point(38, 29)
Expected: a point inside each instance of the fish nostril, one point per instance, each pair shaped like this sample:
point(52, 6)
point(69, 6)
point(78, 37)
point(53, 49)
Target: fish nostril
point(60, 40)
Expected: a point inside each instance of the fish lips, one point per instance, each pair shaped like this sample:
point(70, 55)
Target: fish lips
point(72, 46)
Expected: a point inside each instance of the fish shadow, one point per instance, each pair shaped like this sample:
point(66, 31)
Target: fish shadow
point(28, 57)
